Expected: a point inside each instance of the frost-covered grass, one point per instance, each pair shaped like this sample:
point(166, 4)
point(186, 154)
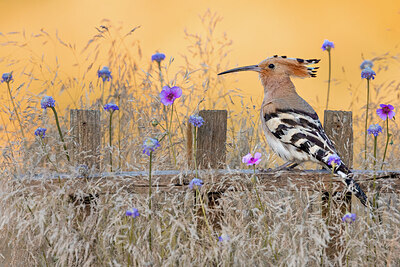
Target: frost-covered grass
point(49, 228)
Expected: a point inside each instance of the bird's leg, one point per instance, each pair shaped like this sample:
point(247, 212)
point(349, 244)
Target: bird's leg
point(287, 166)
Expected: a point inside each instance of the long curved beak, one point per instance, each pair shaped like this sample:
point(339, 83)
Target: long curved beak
point(246, 68)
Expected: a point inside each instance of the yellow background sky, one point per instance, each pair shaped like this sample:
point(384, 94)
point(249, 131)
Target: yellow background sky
point(259, 29)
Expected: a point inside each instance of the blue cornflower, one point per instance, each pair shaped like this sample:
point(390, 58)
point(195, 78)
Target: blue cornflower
point(149, 145)
point(47, 102)
point(195, 183)
point(334, 159)
point(368, 73)
point(374, 129)
point(105, 74)
point(224, 238)
point(349, 217)
point(366, 64)
point(110, 107)
point(132, 213)
point(41, 132)
point(6, 77)
point(196, 120)
point(158, 57)
point(327, 45)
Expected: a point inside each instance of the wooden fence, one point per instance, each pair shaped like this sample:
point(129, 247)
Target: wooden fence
point(210, 156)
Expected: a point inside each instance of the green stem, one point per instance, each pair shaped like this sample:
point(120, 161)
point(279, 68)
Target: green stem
point(330, 193)
point(102, 94)
point(169, 134)
point(329, 80)
point(59, 131)
point(374, 182)
point(131, 240)
point(151, 157)
point(15, 110)
point(387, 141)
point(110, 133)
point(366, 123)
point(255, 188)
point(194, 151)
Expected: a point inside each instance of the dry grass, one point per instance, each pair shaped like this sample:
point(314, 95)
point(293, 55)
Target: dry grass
point(52, 229)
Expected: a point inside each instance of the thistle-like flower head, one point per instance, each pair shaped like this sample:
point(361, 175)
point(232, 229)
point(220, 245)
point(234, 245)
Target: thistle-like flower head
point(368, 73)
point(105, 74)
point(327, 45)
point(149, 145)
point(196, 120)
point(110, 107)
point(334, 160)
point(349, 217)
point(6, 77)
point(132, 213)
point(158, 57)
point(366, 64)
point(195, 183)
point(374, 129)
point(47, 102)
point(41, 132)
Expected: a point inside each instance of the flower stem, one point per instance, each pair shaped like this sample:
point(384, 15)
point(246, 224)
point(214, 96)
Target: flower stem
point(102, 94)
point(387, 142)
point(169, 134)
point(255, 189)
point(329, 80)
point(15, 110)
point(110, 133)
point(59, 131)
point(374, 182)
point(150, 160)
point(194, 151)
point(330, 193)
point(366, 123)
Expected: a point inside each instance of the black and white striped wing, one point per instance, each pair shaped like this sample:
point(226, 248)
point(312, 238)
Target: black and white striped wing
point(303, 131)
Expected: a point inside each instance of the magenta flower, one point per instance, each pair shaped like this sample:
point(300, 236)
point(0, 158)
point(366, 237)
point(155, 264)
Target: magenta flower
point(169, 94)
point(250, 160)
point(386, 111)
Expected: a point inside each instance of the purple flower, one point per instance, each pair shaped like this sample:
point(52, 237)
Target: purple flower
point(169, 94)
point(47, 102)
point(250, 160)
point(6, 77)
point(132, 213)
point(195, 183)
point(41, 132)
point(374, 129)
point(105, 74)
point(327, 45)
point(196, 120)
point(224, 238)
point(110, 107)
point(149, 145)
point(366, 64)
point(386, 111)
point(368, 73)
point(334, 160)
point(158, 57)
point(349, 217)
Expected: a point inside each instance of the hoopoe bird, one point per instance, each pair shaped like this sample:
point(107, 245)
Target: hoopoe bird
point(291, 126)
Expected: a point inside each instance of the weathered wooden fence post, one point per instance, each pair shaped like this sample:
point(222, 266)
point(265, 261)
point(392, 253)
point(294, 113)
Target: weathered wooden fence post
point(86, 132)
point(211, 153)
point(338, 126)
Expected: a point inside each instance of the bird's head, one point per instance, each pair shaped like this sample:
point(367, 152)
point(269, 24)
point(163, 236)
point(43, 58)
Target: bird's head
point(274, 67)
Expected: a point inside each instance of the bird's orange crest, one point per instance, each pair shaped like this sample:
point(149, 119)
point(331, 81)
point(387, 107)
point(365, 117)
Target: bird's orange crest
point(296, 67)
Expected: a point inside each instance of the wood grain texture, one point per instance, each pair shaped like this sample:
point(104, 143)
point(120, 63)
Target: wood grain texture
point(211, 139)
point(86, 132)
point(338, 125)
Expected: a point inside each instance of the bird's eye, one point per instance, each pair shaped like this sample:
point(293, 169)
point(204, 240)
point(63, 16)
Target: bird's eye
point(271, 66)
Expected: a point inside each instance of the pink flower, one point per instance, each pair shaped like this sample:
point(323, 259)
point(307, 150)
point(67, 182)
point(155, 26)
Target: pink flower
point(250, 160)
point(169, 94)
point(386, 111)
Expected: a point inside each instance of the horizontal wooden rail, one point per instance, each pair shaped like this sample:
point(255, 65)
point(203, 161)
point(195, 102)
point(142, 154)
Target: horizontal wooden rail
point(221, 179)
